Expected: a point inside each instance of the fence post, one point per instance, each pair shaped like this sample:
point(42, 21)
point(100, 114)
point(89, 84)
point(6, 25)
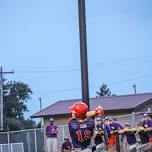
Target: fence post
point(35, 140)
point(8, 141)
point(28, 142)
point(11, 147)
point(133, 119)
point(1, 148)
point(63, 133)
point(8, 138)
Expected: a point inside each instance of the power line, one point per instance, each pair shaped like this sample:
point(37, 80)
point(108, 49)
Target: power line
point(95, 66)
point(92, 86)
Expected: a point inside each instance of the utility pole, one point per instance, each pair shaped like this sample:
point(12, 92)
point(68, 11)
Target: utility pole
point(1, 95)
point(134, 86)
point(40, 110)
point(83, 52)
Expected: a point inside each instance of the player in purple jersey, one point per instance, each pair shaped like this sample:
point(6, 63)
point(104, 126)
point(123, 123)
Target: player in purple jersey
point(101, 132)
point(117, 122)
point(147, 124)
point(113, 137)
point(146, 129)
point(51, 134)
point(81, 126)
point(144, 138)
point(130, 136)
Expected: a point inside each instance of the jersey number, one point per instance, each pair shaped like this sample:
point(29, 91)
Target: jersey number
point(82, 137)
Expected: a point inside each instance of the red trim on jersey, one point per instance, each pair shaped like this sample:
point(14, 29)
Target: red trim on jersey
point(70, 119)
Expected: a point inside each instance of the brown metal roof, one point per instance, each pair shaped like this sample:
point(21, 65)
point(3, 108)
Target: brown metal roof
point(108, 103)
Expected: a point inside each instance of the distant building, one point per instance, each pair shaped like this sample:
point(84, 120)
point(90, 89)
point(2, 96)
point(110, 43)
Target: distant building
point(112, 105)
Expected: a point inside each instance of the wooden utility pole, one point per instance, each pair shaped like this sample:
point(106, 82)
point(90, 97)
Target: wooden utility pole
point(1, 95)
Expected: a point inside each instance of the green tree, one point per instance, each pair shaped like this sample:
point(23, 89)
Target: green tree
point(29, 124)
point(103, 91)
point(16, 95)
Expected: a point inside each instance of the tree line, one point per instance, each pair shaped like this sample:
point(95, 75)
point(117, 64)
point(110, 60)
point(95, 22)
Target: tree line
point(15, 97)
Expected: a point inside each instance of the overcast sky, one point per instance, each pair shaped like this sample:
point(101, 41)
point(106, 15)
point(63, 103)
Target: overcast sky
point(39, 40)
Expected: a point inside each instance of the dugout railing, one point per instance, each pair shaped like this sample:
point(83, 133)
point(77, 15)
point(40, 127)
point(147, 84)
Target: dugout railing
point(12, 147)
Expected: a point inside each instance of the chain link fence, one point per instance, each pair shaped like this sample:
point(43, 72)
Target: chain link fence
point(133, 119)
point(34, 140)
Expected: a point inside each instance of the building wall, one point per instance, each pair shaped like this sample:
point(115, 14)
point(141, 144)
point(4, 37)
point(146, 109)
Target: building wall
point(62, 120)
point(147, 107)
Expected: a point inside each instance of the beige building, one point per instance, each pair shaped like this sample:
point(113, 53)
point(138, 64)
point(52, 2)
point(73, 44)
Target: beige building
point(117, 106)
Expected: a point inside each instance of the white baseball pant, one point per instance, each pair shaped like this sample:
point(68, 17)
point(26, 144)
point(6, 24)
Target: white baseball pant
point(51, 144)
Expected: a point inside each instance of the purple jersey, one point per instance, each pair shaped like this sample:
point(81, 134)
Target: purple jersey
point(148, 124)
point(119, 125)
point(51, 128)
point(67, 145)
point(100, 130)
point(103, 127)
point(114, 126)
point(81, 132)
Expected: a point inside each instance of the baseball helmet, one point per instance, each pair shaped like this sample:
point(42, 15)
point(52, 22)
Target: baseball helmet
point(79, 108)
point(51, 120)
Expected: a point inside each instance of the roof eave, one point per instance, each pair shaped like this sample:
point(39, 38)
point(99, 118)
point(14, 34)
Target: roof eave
point(58, 115)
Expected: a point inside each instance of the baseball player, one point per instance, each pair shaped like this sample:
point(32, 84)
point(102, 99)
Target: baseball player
point(51, 133)
point(67, 145)
point(101, 132)
point(130, 136)
point(113, 137)
point(147, 124)
point(145, 133)
point(81, 126)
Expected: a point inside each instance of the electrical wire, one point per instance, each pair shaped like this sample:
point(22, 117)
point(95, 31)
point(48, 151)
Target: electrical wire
point(91, 87)
point(94, 66)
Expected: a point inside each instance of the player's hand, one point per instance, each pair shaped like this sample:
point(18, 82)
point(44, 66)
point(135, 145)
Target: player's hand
point(99, 111)
point(121, 131)
point(140, 129)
